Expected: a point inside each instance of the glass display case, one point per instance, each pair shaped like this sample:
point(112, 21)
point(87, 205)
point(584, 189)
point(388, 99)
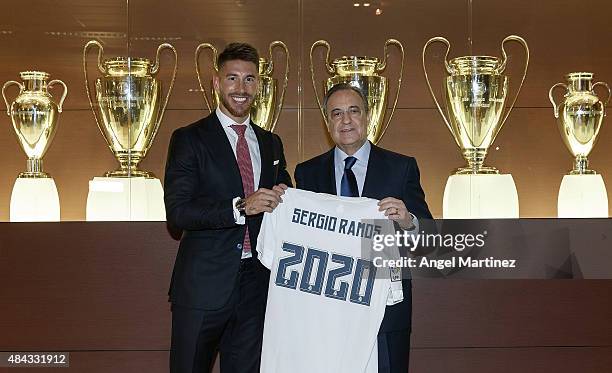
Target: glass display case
point(114, 78)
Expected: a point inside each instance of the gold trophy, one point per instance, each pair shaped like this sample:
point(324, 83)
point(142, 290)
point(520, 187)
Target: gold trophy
point(579, 117)
point(269, 101)
point(35, 117)
point(362, 73)
point(129, 108)
point(475, 92)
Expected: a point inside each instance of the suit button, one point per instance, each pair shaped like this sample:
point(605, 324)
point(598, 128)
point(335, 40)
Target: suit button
point(239, 246)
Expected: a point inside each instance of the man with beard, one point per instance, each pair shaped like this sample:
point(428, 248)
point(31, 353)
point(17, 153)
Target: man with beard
point(355, 167)
point(222, 173)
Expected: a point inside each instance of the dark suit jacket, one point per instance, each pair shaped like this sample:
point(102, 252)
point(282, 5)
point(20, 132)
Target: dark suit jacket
point(202, 178)
point(388, 175)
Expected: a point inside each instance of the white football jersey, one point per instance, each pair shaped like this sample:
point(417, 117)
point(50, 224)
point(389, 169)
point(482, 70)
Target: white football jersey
point(325, 302)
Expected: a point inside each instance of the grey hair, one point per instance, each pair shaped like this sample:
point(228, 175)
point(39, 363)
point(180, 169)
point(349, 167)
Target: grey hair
point(345, 87)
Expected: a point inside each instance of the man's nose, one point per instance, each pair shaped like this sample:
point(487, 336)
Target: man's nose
point(346, 117)
point(241, 85)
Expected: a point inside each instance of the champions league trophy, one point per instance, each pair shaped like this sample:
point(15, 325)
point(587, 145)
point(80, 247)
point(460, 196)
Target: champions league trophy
point(362, 73)
point(476, 90)
point(579, 117)
point(269, 100)
point(128, 111)
point(35, 116)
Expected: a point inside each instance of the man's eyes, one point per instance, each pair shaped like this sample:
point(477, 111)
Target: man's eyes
point(235, 78)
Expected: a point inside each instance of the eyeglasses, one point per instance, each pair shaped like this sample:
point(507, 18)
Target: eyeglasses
point(353, 112)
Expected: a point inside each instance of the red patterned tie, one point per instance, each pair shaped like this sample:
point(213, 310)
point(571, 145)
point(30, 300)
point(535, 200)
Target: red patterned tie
point(243, 156)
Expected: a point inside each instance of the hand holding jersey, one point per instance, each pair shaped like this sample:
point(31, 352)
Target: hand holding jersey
point(264, 200)
point(323, 292)
point(355, 167)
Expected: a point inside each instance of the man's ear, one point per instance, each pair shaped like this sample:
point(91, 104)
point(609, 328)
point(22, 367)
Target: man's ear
point(216, 82)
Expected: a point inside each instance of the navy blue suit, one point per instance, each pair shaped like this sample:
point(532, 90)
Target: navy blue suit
point(216, 297)
point(388, 175)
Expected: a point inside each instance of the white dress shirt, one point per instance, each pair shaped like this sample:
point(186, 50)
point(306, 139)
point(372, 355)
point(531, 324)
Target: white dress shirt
point(360, 168)
point(251, 138)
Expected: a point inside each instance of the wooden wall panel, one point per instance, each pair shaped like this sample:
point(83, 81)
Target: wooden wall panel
point(358, 31)
point(558, 46)
point(187, 23)
point(511, 313)
point(112, 361)
point(52, 38)
point(99, 286)
point(511, 360)
point(91, 286)
point(474, 360)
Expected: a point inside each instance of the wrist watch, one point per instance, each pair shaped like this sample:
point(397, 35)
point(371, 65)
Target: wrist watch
point(241, 206)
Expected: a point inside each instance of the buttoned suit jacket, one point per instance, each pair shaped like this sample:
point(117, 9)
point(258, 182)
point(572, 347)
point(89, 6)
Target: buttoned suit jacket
point(388, 174)
point(201, 180)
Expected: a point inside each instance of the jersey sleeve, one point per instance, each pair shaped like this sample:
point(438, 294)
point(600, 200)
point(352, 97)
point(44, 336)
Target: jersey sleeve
point(266, 241)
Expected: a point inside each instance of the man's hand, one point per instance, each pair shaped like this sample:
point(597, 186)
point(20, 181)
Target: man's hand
point(396, 210)
point(264, 200)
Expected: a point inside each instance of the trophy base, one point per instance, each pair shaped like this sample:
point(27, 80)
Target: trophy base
point(34, 175)
point(482, 170)
point(582, 172)
point(582, 196)
point(581, 166)
point(34, 199)
point(125, 199)
point(480, 197)
point(121, 173)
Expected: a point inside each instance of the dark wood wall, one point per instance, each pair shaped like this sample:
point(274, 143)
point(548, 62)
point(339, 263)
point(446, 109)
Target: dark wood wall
point(70, 287)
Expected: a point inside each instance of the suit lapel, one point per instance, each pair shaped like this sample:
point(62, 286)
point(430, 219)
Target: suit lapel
point(372, 173)
point(222, 153)
point(266, 178)
point(329, 179)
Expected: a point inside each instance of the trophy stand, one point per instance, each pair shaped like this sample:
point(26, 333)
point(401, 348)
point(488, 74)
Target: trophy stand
point(125, 199)
point(34, 199)
point(582, 196)
point(480, 197)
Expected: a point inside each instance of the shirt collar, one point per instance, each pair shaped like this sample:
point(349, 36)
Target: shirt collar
point(362, 155)
point(227, 121)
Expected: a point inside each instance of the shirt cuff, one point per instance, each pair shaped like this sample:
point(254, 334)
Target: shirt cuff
point(239, 219)
point(415, 223)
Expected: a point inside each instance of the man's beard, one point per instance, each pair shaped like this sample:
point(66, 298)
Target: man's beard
point(233, 111)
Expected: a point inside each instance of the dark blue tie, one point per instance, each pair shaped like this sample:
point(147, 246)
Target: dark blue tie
point(348, 185)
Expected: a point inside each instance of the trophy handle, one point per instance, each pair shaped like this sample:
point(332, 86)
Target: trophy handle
point(102, 70)
point(328, 66)
point(439, 39)
point(6, 85)
point(155, 70)
point(61, 101)
point(503, 66)
point(197, 64)
point(552, 99)
point(381, 66)
point(607, 87)
point(281, 98)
